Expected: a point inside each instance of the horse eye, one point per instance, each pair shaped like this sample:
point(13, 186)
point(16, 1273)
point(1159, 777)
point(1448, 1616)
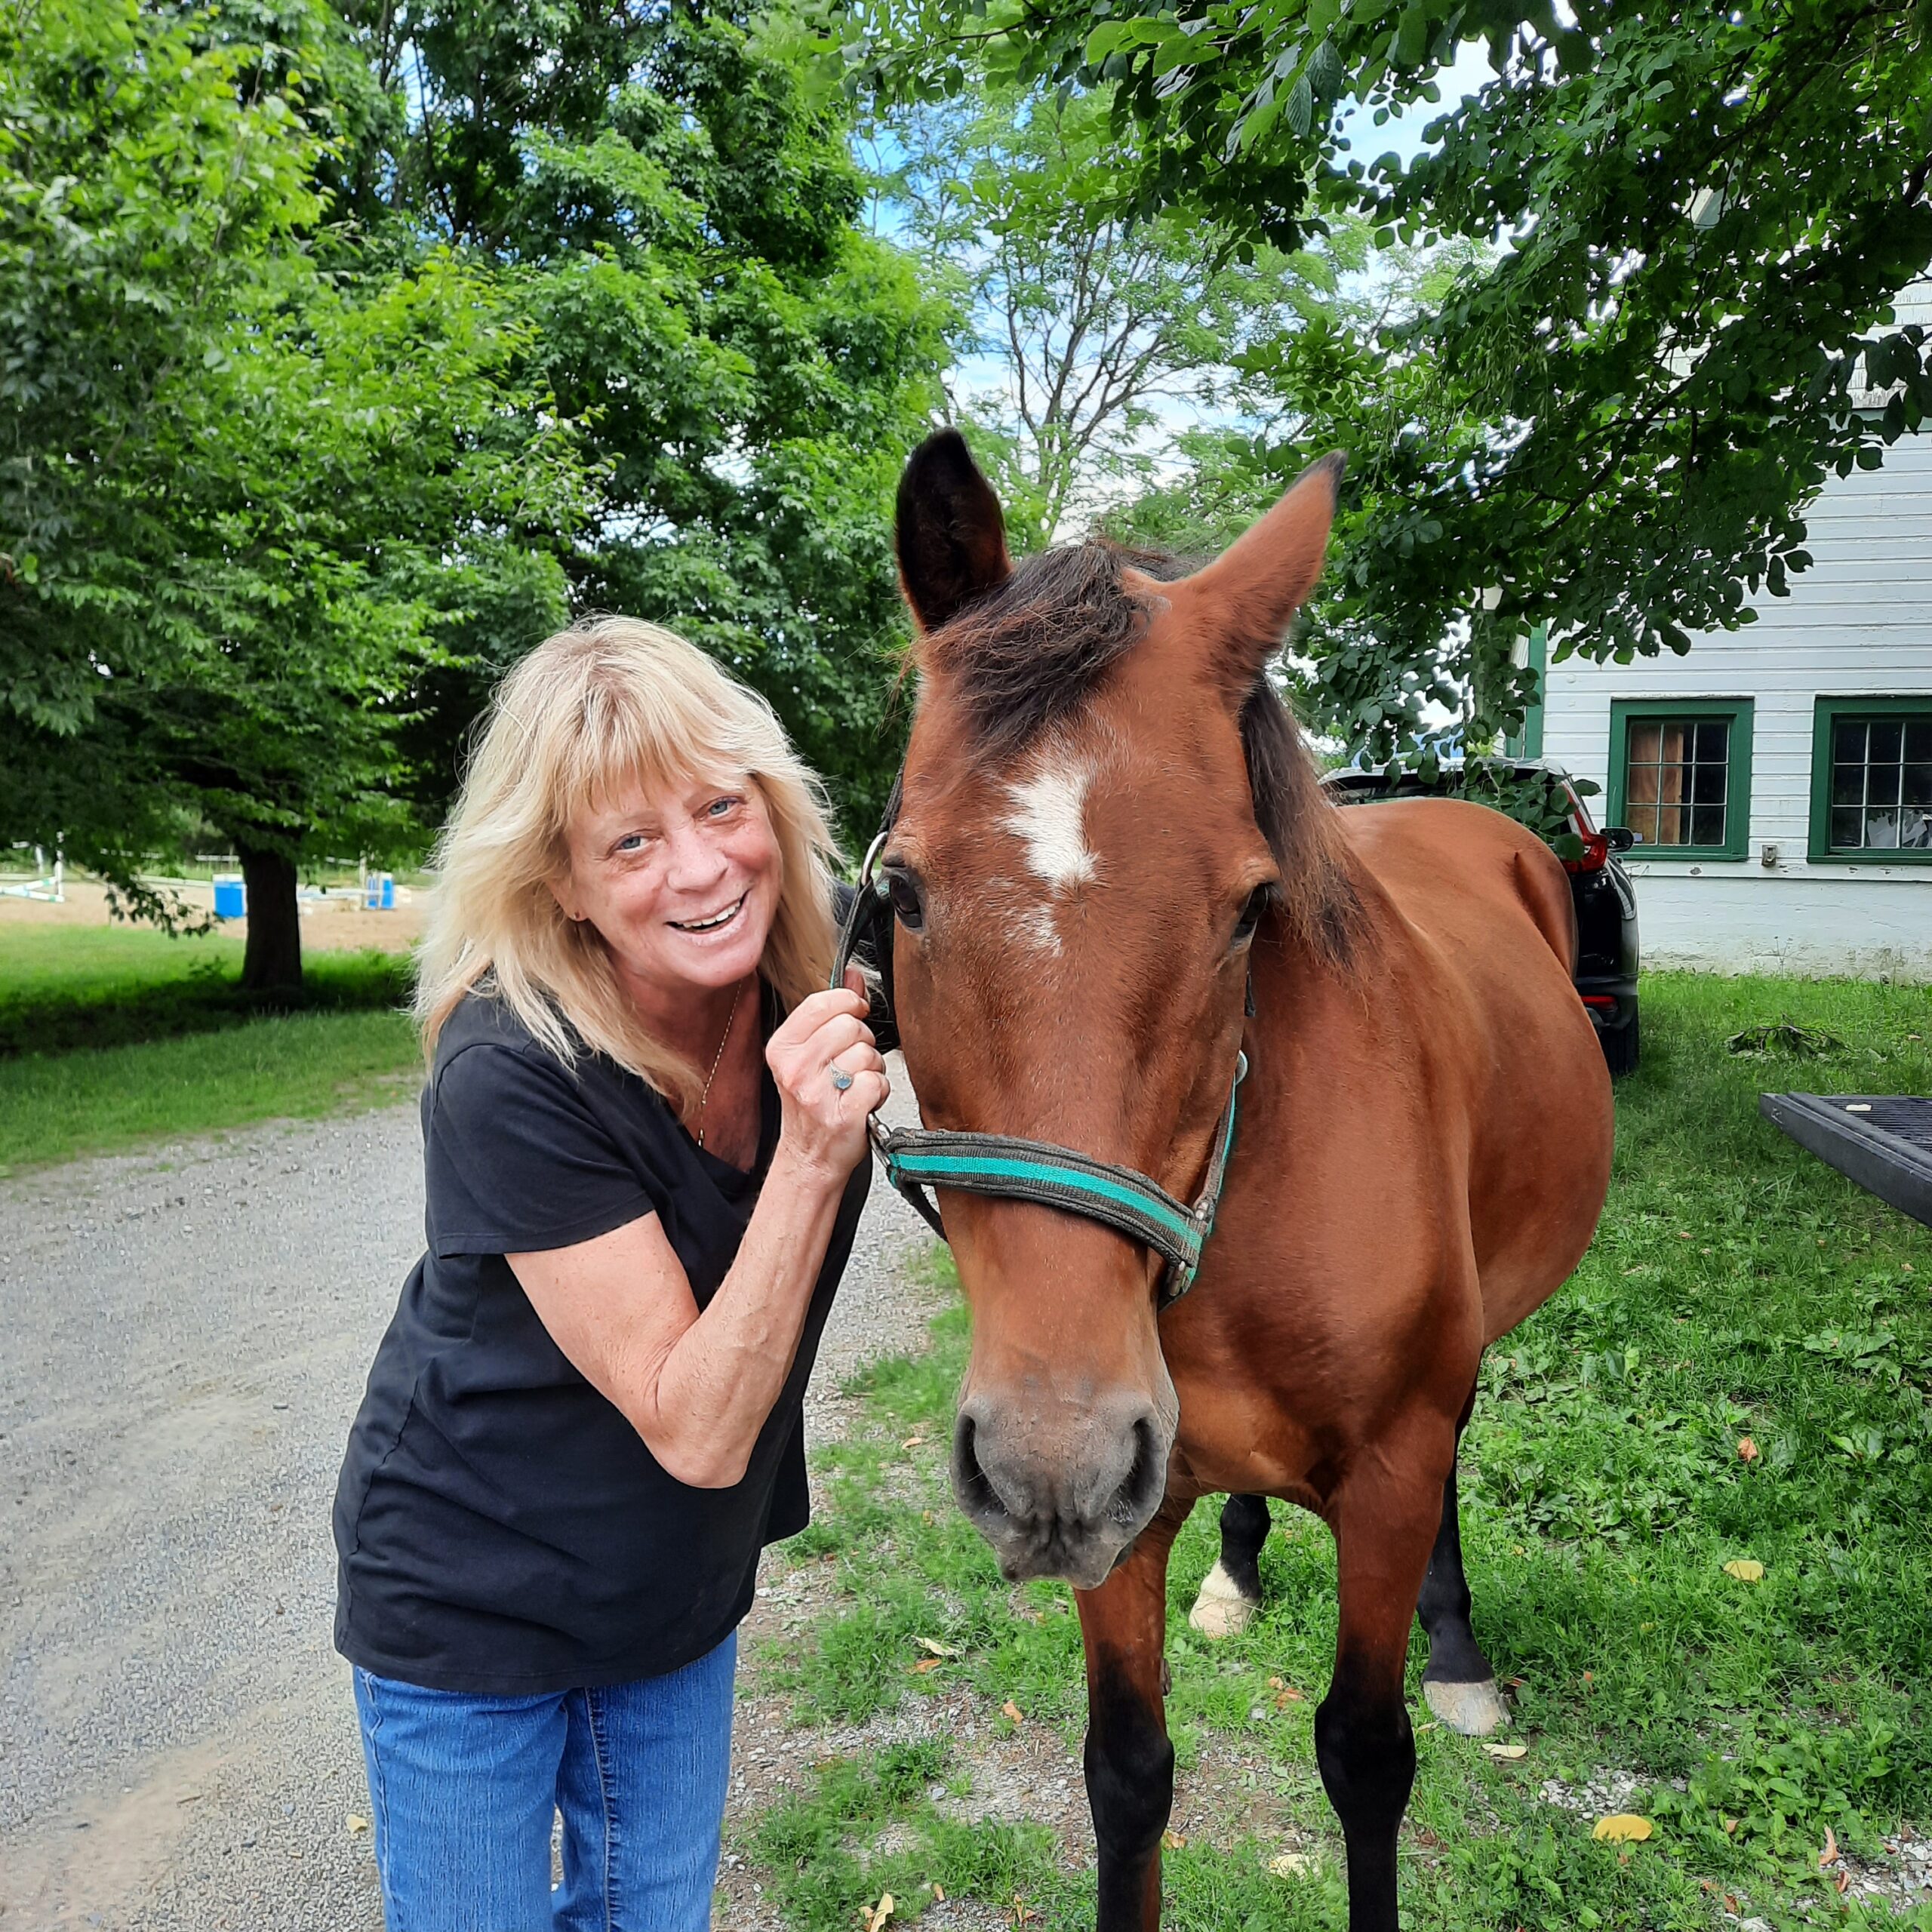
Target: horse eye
point(1251, 914)
point(905, 897)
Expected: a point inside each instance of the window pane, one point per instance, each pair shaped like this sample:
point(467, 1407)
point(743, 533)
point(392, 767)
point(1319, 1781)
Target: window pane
point(1644, 739)
point(1884, 742)
point(1848, 743)
point(1882, 783)
point(1847, 785)
point(1670, 824)
point(1677, 740)
point(1846, 835)
point(1707, 825)
point(1881, 832)
point(1642, 789)
point(1918, 739)
point(1918, 831)
point(1707, 784)
point(1713, 740)
point(1918, 784)
point(1642, 819)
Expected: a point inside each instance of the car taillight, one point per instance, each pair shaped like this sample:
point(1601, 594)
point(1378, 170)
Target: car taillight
point(1596, 854)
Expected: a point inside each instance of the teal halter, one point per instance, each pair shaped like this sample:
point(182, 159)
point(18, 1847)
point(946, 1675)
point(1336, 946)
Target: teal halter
point(917, 1158)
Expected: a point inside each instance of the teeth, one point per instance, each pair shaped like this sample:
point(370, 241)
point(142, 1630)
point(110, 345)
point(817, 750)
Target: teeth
point(706, 925)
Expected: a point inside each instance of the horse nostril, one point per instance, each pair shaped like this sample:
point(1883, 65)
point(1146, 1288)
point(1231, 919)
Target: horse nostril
point(970, 1485)
point(1140, 1493)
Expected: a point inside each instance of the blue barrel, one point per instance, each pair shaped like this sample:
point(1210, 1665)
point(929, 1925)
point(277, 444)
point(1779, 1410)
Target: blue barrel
point(231, 897)
point(388, 892)
point(379, 892)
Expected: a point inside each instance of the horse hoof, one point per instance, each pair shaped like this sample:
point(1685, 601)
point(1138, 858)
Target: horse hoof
point(1220, 1609)
point(1473, 1710)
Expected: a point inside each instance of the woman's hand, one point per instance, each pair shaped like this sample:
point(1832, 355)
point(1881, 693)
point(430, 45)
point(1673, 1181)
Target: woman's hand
point(824, 1125)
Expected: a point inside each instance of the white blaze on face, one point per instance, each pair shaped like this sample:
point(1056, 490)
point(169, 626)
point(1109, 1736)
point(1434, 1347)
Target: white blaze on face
point(1048, 817)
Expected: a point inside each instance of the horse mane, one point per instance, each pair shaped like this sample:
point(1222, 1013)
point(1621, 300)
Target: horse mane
point(1029, 653)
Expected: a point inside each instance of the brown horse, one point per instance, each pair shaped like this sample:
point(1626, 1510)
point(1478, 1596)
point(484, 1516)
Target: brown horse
point(1111, 843)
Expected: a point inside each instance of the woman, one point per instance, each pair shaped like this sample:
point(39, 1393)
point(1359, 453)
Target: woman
point(644, 1142)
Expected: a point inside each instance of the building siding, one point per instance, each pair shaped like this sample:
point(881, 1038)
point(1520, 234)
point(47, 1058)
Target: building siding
point(1859, 623)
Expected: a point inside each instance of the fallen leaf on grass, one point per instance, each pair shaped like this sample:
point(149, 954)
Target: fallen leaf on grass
point(1507, 1750)
point(1729, 1826)
point(1747, 1450)
point(875, 1915)
point(1843, 1881)
point(939, 1891)
point(924, 1664)
point(1745, 1569)
point(1291, 1865)
point(357, 1824)
point(1622, 1828)
point(1011, 1710)
point(1829, 1856)
point(1173, 1840)
point(1285, 1693)
point(1022, 1911)
point(933, 1648)
point(913, 1442)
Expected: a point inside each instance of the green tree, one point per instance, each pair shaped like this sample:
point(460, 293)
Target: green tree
point(1705, 214)
point(247, 501)
point(1091, 334)
point(678, 203)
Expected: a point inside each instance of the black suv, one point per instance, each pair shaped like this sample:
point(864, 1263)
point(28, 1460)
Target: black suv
point(1605, 902)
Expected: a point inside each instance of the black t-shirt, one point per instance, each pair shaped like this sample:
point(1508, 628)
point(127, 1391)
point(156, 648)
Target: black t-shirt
point(501, 1529)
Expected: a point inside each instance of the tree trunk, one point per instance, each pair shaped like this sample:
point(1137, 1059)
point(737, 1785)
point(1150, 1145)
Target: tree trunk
point(273, 962)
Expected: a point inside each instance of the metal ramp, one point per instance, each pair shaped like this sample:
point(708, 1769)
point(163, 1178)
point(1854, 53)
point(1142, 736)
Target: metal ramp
point(1882, 1141)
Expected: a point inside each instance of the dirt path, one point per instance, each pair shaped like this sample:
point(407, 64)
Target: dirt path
point(183, 1338)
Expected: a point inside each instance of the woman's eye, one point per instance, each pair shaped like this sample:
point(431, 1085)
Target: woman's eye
point(1251, 914)
point(720, 807)
point(905, 897)
point(631, 841)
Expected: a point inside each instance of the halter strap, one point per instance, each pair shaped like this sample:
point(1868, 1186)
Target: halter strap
point(1131, 1203)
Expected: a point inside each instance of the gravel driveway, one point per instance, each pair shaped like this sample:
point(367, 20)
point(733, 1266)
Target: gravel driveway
point(183, 1338)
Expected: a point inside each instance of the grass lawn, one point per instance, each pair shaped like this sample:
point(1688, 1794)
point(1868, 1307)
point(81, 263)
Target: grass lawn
point(1738, 1372)
point(111, 1035)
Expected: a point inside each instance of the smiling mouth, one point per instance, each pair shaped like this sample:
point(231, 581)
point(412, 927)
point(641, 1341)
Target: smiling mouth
point(712, 925)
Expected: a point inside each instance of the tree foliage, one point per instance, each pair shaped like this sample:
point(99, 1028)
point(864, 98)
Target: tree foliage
point(348, 349)
point(1702, 216)
point(1090, 335)
point(246, 499)
point(677, 202)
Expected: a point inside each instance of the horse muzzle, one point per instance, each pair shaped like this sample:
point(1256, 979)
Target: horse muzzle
point(1062, 1498)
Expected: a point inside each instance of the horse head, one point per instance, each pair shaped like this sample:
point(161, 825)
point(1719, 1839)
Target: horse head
point(1103, 805)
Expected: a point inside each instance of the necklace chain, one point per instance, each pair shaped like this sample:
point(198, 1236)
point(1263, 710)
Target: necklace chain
point(716, 1060)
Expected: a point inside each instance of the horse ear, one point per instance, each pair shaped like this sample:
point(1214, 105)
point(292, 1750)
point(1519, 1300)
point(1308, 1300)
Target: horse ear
point(949, 533)
point(1249, 594)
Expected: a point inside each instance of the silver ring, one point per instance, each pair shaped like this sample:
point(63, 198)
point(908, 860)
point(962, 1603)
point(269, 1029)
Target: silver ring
point(841, 1079)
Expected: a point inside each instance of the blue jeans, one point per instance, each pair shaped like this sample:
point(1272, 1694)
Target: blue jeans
point(463, 1789)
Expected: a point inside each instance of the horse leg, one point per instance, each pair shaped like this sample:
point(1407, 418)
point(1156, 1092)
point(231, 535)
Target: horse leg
point(1231, 1591)
point(1459, 1683)
point(1383, 1522)
point(1130, 1763)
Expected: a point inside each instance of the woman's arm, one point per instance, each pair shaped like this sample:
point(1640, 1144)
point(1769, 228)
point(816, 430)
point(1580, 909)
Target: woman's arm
point(698, 1387)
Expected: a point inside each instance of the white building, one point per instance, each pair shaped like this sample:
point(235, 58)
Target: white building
point(1780, 775)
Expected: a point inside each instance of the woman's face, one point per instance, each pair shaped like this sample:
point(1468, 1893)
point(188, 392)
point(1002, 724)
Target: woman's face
point(682, 882)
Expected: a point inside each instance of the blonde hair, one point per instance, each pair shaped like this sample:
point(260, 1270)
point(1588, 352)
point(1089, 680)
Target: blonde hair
point(608, 703)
